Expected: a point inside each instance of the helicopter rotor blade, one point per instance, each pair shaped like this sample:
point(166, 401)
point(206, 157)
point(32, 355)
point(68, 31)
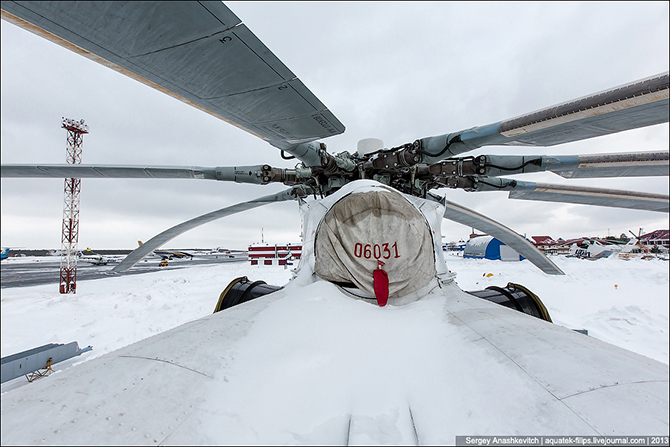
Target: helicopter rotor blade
point(105, 171)
point(205, 57)
point(258, 174)
point(592, 196)
point(641, 164)
point(157, 241)
point(549, 192)
point(637, 104)
point(465, 216)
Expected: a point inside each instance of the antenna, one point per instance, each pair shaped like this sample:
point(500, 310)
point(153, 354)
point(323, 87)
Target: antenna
point(70, 232)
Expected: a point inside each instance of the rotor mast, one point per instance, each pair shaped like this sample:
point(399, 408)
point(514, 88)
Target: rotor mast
point(70, 231)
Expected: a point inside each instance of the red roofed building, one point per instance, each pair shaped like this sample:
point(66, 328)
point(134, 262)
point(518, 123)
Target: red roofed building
point(659, 238)
point(274, 254)
point(546, 244)
point(543, 240)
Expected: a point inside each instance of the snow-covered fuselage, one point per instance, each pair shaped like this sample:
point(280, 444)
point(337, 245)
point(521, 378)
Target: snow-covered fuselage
point(314, 363)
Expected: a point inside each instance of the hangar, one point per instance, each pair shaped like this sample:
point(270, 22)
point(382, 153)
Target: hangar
point(488, 247)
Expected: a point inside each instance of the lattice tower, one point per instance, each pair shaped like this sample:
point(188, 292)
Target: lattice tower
point(70, 234)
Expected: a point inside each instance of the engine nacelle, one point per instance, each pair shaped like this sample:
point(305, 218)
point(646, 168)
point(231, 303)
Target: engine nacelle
point(241, 290)
point(515, 297)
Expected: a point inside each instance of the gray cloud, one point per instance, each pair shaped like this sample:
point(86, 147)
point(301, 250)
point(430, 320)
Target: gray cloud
point(395, 71)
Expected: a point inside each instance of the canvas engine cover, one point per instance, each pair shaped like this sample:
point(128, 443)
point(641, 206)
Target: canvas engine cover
point(366, 227)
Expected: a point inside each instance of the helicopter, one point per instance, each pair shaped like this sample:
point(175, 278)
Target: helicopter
point(410, 170)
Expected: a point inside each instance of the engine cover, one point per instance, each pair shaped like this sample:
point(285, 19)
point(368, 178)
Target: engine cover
point(363, 228)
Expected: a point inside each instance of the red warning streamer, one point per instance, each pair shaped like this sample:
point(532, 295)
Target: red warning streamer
point(380, 281)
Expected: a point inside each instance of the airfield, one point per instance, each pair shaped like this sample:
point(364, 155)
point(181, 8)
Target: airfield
point(621, 302)
point(33, 271)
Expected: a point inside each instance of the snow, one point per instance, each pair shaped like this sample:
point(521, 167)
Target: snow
point(480, 241)
point(114, 312)
point(624, 303)
point(338, 365)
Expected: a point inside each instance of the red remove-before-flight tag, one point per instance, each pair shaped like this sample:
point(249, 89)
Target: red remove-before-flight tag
point(381, 284)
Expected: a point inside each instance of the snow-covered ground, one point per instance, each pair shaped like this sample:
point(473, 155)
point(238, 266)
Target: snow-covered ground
point(621, 302)
point(624, 303)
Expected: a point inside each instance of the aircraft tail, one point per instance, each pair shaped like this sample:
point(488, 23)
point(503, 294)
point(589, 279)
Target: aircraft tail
point(139, 243)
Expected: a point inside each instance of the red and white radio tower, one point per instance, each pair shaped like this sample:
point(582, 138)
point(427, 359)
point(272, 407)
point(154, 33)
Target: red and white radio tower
point(70, 237)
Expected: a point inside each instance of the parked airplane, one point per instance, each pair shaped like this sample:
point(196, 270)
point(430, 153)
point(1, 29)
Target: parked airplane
point(92, 257)
point(372, 236)
point(593, 249)
point(226, 252)
point(169, 254)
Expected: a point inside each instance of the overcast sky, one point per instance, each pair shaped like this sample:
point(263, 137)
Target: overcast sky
point(394, 71)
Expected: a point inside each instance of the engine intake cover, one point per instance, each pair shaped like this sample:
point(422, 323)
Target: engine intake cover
point(364, 227)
